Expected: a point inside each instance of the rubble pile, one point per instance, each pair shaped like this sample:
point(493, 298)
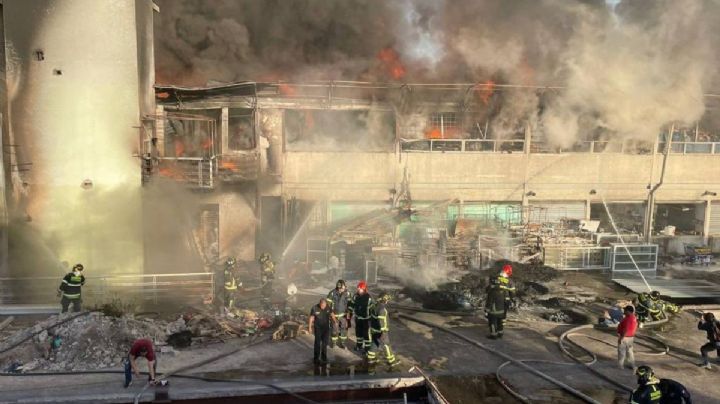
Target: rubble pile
point(469, 292)
point(92, 341)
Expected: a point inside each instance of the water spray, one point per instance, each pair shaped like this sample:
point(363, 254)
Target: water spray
point(617, 232)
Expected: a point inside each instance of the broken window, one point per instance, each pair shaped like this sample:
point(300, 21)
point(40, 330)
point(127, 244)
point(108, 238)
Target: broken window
point(191, 134)
point(442, 125)
point(679, 218)
point(241, 130)
point(332, 130)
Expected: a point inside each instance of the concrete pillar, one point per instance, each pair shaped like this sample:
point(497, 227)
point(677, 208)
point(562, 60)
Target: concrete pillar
point(160, 130)
point(528, 138)
point(224, 130)
point(706, 222)
point(587, 209)
point(3, 213)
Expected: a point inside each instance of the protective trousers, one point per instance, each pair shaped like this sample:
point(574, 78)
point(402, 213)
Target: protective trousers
point(322, 335)
point(65, 302)
point(230, 298)
point(339, 332)
point(381, 343)
point(362, 334)
point(496, 322)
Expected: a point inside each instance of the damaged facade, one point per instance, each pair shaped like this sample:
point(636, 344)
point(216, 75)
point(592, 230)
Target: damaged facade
point(365, 172)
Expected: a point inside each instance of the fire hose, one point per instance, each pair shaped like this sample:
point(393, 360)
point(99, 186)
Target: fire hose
point(176, 373)
point(505, 356)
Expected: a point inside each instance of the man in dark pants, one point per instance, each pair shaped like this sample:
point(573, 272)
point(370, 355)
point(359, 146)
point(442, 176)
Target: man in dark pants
point(141, 348)
point(712, 328)
point(70, 289)
point(320, 318)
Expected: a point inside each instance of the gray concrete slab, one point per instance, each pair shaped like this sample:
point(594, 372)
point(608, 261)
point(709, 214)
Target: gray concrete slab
point(674, 288)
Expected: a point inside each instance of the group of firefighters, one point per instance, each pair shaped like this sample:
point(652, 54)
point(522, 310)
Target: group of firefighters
point(331, 318)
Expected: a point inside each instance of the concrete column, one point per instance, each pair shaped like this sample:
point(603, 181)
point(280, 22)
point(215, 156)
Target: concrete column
point(528, 138)
point(224, 130)
point(587, 209)
point(706, 222)
point(3, 213)
point(160, 130)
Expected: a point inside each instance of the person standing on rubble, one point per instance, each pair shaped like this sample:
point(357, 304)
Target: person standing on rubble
point(230, 283)
point(267, 274)
point(360, 306)
point(338, 300)
point(380, 332)
point(711, 326)
point(141, 348)
point(319, 325)
point(626, 335)
point(71, 289)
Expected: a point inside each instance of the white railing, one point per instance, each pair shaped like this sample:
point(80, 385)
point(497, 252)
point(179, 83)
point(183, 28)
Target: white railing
point(463, 145)
point(691, 147)
point(188, 287)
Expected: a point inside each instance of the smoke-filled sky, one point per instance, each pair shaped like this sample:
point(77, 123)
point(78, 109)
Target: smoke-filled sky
point(628, 67)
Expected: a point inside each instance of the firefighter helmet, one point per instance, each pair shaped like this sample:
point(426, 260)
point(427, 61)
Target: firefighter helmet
point(385, 297)
point(362, 285)
point(79, 267)
point(644, 374)
point(230, 261)
point(507, 270)
point(655, 295)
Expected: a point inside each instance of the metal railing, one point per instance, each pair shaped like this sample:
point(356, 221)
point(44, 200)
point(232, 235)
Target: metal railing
point(463, 145)
point(690, 147)
point(196, 172)
point(155, 288)
point(574, 258)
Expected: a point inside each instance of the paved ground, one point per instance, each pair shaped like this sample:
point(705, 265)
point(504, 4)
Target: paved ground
point(439, 353)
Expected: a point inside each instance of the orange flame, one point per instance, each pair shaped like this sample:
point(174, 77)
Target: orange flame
point(286, 89)
point(485, 90)
point(434, 133)
point(228, 165)
point(179, 148)
point(391, 62)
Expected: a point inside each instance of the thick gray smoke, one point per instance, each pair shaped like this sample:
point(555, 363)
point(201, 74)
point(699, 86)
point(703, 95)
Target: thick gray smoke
point(625, 68)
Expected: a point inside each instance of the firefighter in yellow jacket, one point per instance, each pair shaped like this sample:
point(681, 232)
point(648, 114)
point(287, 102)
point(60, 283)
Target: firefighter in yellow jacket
point(380, 332)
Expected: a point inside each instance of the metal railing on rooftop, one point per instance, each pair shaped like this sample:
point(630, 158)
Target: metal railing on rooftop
point(463, 145)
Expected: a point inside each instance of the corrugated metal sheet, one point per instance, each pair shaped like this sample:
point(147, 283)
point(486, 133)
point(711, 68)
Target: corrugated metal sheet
point(715, 218)
point(561, 210)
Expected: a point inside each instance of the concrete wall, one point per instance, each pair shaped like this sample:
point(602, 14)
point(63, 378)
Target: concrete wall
point(75, 127)
point(499, 177)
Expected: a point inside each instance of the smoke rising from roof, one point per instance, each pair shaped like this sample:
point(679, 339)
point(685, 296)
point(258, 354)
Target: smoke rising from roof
point(626, 68)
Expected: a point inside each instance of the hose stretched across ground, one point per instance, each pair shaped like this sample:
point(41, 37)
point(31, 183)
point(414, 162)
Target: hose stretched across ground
point(505, 356)
point(63, 321)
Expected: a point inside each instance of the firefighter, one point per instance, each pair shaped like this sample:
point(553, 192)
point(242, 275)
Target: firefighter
point(360, 305)
point(662, 305)
point(380, 332)
point(338, 299)
point(267, 274)
point(648, 390)
point(496, 306)
point(646, 309)
point(231, 283)
point(70, 289)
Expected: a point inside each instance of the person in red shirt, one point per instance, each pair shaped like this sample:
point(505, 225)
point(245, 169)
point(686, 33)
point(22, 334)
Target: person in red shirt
point(140, 348)
point(626, 335)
